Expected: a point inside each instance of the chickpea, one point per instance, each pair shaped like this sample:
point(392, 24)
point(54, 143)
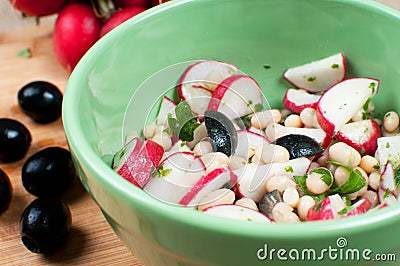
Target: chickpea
point(308, 117)
point(315, 184)
point(284, 213)
point(391, 121)
point(293, 120)
point(275, 153)
point(149, 131)
point(214, 160)
point(369, 164)
point(202, 148)
point(247, 202)
point(341, 175)
point(274, 131)
point(291, 196)
point(261, 120)
point(304, 204)
point(280, 183)
point(217, 197)
point(163, 139)
point(374, 180)
point(344, 154)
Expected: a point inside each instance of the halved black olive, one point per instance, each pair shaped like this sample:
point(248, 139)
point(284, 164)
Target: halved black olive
point(299, 145)
point(221, 131)
point(268, 201)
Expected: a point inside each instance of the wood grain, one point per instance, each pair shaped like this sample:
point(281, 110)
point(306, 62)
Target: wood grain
point(91, 242)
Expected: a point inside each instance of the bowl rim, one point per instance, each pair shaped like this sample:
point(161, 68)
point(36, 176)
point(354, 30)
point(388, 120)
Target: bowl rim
point(105, 176)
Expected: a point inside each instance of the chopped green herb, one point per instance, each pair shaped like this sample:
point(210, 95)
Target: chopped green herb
point(335, 66)
point(183, 143)
point(258, 107)
point(161, 172)
point(397, 176)
point(266, 66)
point(249, 219)
point(376, 166)
point(366, 104)
point(326, 175)
point(25, 53)
point(345, 210)
point(372, 86)
point(312, 78)
point(387, 145)
point(250, 102)
point(362, 149)
point(185, 122)
point(354, 183)
point(318, 207)
point(387, 193)
point(246, 120)
point(288, 169)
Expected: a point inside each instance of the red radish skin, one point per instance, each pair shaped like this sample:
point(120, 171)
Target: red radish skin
point(360, 207)
point(119, 17)
point(139, 165)
point(318, 75)
point(76, 30)
point(236, 96)
point(184, 171)
point(130, 3)
point(326, 209)
point(297, 100)
point(38, 7)
point(199, 80)
point(208, 183)
point(361, 135)
point(341, 102)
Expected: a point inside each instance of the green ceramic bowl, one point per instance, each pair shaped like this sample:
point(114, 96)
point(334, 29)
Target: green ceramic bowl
point(248, 34)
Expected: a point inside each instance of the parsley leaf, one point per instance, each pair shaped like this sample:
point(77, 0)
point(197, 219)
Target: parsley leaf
point(354, 183)
point(185, 122)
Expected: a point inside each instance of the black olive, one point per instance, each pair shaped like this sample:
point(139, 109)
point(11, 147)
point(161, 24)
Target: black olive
point(5, 191)
point(15, 140)
point(221, 131)
point(268, 201)
point(299, 145)
point(48, 172)
point(45, 225)
point(41, 101)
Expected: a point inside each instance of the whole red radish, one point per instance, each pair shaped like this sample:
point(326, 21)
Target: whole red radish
point(119, 17)
point(126, 3)
point(38, 7)
point(76, 30)
point(157, 2)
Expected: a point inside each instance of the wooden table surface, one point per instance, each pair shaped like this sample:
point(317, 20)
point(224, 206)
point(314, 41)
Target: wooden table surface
point(91, 242)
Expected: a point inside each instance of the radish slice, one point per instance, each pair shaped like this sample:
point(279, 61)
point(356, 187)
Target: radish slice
point(247, 143)
point(360, 207)
point(180, 172)
point(208, 183)
point(297, 100)
point(236, 96)
point(318, 75)
point(199, 80)
point(389, 150)
point(361, 135)
point(388, 191)
point(167, 107)
point(237, 212)
point(326, 209)
point(252, 179)
point(342, 101)
point(138, 160)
